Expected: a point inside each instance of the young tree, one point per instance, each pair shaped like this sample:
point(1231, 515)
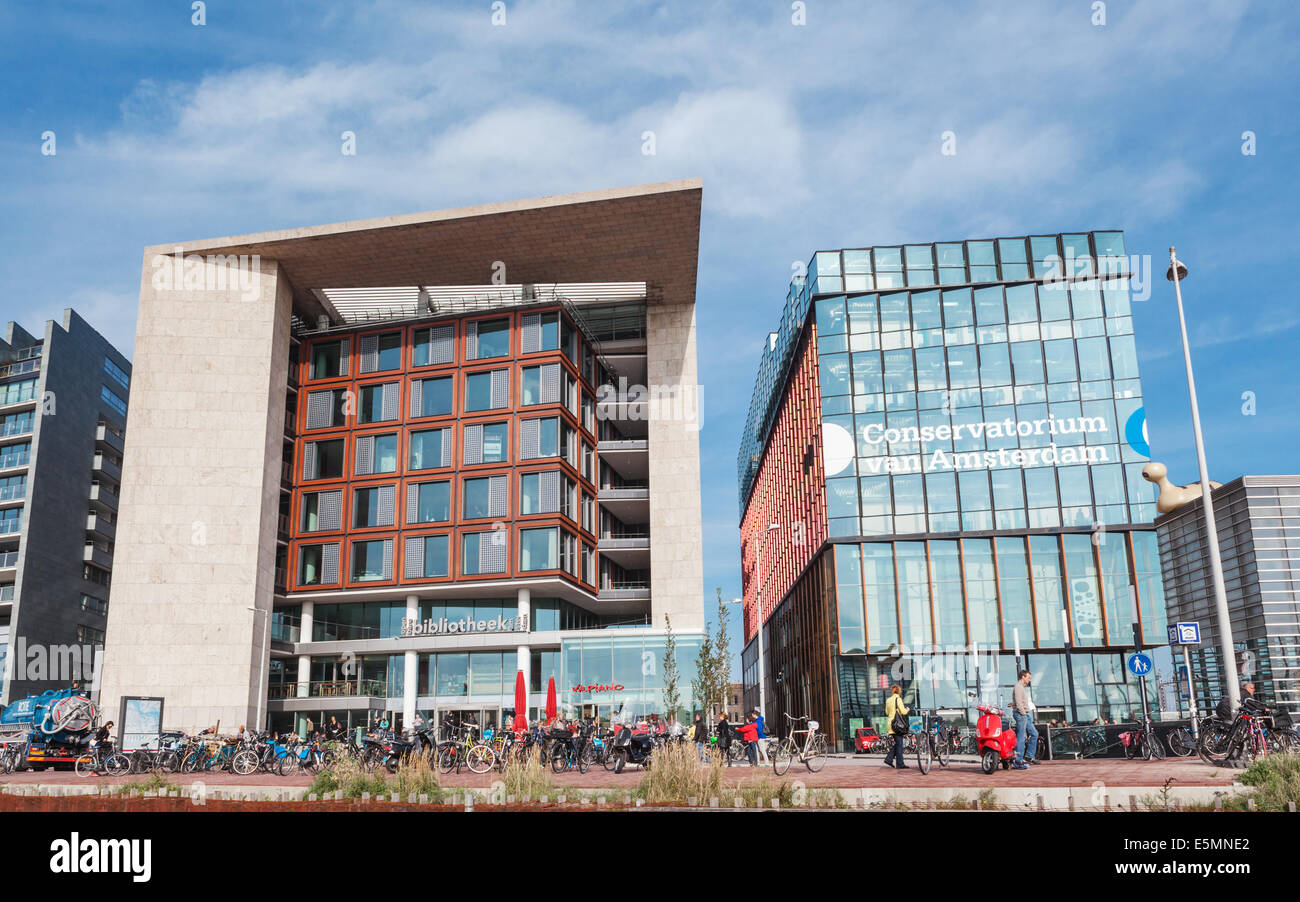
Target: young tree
point(722, 654)
point(702, 685)
point(672, 695)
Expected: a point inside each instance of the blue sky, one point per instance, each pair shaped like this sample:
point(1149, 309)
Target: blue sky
point(813, 136)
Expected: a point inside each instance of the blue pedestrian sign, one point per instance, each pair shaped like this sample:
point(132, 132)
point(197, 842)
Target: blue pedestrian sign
point(1185, 633)
point(1139, 664)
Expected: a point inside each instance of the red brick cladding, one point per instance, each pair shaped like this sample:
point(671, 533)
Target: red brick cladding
point(790, 490)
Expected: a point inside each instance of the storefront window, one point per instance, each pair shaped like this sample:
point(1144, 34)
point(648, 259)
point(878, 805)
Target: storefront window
point(848, 599)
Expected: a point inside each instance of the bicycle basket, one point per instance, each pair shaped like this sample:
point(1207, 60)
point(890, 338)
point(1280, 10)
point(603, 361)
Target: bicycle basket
point(1282, 719)
point(1223, 710)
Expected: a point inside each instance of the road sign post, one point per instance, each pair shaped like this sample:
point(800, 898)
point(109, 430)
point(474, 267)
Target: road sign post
point(1186, 634)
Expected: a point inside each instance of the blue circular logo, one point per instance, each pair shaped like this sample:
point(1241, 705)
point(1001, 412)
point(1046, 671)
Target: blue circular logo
point(1135, 432)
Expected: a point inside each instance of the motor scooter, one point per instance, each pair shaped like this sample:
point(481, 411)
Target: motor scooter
point(632, 748)
point(996, 744)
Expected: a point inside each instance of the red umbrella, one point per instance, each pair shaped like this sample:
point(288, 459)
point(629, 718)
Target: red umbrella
point(521, 703)
point(551, 707)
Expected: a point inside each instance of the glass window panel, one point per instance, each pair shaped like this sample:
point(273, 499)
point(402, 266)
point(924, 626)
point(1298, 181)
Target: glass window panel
point(949, 612)
point(848, 599)
point(385, 454)
point(1013, 586)
point(881, 604)
point(830, 316)
point(981, 592)
point(1075, 490)
point(868, 373)
point(913, 594)
point(989, 309)
point(957, 308)
point(435, 397)
point(1113, 551)
point(995, 365)
point(951, 255)
point(1150, 586)
point(894, 315)
point(834, 373)
point(941, 492)
point(857, 261)
point(974, 488)
point(1011, 250)
point(1049, 597)
point(1123, 356)
point(899, 375)
point(925, 310)
point(538, 549)
point(889, 258)
point(842, 497)
point(1085, 594)
point(1027, 362)
point(437, 555)
point(1059, 356)
point(980, 252)
point(426, 449)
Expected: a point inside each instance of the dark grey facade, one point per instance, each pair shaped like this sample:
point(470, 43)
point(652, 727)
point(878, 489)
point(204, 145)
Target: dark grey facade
point(1258, 520)
point(62, 420)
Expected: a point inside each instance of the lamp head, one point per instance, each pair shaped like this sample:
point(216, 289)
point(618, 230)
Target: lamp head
point(1182, 271)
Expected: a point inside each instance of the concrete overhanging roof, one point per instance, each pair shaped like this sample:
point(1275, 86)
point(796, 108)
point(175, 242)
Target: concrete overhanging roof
point(646, 233)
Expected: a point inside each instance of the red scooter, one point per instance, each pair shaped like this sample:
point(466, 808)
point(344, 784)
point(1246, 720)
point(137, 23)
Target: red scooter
point(995, 744)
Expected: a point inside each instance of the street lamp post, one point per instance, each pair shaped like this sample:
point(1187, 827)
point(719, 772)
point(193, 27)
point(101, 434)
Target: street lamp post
point(1177, 272)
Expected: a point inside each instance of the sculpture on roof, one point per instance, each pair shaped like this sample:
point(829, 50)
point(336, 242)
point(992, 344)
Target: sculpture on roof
point(1171, 496)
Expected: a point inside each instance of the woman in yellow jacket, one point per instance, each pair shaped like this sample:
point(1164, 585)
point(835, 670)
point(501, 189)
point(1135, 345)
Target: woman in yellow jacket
point(894, 705)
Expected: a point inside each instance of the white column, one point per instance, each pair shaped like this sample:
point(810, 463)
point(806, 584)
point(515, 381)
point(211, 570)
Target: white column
point(523, 654)
point(304, 661)
point(412, 668)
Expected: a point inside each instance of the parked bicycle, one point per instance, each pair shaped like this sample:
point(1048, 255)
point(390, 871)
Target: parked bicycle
point(812, 751)
point(1228, 737)
point(95, 762)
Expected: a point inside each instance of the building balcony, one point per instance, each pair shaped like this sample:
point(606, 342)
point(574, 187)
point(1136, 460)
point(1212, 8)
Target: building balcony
point(106, 467)
point(109, 438)
point(8, 563)
point(8, 430)
point(104, 496)
point(634, 590)
point(330, 689)
point(15, 461)
point(101, 526)
point(21, 367)
point(99, 553)
point(12, 494)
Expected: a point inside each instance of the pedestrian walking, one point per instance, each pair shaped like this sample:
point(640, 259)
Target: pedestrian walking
point(700, 735)
point(1022, 711)
point(762, 737)
point(896, 716)
point(723, 732)
point(749, 733)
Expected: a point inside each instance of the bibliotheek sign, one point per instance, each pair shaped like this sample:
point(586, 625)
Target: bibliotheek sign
point(445, 627)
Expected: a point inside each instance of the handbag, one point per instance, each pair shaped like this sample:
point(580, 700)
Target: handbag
point(899, 725)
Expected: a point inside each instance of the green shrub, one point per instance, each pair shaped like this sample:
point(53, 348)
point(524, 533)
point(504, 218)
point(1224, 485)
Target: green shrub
point(1276, 781)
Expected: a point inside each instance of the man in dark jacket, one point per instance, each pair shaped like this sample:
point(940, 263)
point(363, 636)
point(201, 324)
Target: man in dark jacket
point(723, 730)
point(700, 735)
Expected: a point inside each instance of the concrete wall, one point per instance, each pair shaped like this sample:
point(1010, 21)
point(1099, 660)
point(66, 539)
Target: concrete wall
point(676, 536)
point(49, 584)
point(196, 535)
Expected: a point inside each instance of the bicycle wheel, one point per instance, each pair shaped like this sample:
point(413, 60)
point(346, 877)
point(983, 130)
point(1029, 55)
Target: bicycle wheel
point(480, 759)
point(782, 755)
point(117, 765)
point(924, 753)
point(559, 761)
point(85, 766)
point(446, 758)
point(817, 755)
point(1214, 745)
point(1157, 747)
point(191, 762)
point(943, 750)
point(245, 763)
point(1180, 742)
